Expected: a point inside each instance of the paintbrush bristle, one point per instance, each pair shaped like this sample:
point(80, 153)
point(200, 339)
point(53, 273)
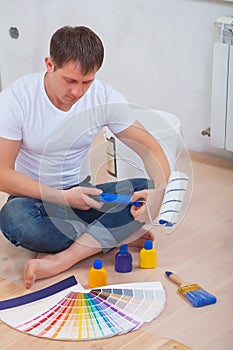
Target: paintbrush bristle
point(196, 295)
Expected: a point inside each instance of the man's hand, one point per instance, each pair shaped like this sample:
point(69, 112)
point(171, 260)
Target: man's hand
point(80, 197)
point(153, 198)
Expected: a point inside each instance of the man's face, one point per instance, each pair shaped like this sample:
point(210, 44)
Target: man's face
point(66, 85)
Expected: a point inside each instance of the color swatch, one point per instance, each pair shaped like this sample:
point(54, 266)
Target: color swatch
point(78, 314)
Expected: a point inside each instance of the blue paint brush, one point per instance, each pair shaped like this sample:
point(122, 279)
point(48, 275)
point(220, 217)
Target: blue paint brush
point(195, 294)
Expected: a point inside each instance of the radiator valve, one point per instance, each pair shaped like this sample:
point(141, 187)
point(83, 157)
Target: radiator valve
point(206, 132)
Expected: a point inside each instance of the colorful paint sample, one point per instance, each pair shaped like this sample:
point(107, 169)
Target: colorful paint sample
point(74, 313)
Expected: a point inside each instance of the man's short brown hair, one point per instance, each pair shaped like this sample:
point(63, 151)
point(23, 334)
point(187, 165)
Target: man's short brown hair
point(77, 44)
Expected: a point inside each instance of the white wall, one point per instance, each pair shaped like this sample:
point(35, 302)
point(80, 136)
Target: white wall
point(158, 52)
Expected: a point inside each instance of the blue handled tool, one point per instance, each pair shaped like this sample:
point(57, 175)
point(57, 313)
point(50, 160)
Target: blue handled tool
point(118, 199)
point(171, 204)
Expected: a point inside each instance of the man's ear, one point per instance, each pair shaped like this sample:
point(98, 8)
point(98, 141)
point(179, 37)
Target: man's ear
point(49, 64)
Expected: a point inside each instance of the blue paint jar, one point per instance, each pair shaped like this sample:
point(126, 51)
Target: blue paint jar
point(123, 260)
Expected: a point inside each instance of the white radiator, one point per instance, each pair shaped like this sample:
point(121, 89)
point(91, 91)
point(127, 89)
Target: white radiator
point(221, 129)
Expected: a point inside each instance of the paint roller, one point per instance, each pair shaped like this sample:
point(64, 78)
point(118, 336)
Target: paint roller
point(171, 203)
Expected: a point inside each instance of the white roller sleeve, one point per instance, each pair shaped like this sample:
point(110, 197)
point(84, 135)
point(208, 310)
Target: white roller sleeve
point(173, 198)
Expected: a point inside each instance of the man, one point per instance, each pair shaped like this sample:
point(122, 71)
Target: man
point(47, 124)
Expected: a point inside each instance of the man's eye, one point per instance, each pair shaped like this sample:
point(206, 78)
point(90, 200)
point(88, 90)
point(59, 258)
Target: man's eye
point(89, 82)
point(70, 81)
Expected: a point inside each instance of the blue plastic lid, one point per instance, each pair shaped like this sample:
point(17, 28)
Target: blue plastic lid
point(123, 248)
point(148, 244)
point(98, 264)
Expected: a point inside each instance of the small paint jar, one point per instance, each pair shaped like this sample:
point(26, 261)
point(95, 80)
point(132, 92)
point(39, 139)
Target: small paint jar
point(123, 259)
point(97, 275)
point(148, 256)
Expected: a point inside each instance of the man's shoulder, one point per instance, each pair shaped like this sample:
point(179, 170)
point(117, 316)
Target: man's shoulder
point(101, 86)
point(27, 82)
point(106, 91)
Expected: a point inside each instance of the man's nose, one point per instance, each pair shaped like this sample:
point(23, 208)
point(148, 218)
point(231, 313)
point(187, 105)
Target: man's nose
point(77, 91)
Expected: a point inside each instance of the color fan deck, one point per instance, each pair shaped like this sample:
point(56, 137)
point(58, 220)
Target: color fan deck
point(74, 313)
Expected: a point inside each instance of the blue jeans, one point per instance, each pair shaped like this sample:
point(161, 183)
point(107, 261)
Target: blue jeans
point(49, 228)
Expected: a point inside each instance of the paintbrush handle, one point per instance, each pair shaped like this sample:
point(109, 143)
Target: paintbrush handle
point(174, 278)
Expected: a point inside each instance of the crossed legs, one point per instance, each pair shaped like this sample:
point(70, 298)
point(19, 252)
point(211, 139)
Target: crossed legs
point(47, 265)
point(39, 227)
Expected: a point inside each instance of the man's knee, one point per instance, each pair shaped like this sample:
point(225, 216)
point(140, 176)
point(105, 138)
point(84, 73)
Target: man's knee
point(142, 184)
point(16, 219)
point(15, 212)
point(24, 223)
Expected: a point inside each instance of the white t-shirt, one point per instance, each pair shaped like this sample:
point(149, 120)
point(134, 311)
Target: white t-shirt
point(55, 144)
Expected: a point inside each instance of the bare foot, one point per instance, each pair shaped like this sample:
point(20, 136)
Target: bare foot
point(47, 265)
point(41, 268)
point(30, 272)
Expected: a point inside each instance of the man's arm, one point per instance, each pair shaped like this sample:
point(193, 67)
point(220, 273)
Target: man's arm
point(156, 164)
point(18, 184)
point(150, 151)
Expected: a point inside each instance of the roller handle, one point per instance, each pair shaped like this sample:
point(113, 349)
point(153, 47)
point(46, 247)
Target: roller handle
point(116, 198)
